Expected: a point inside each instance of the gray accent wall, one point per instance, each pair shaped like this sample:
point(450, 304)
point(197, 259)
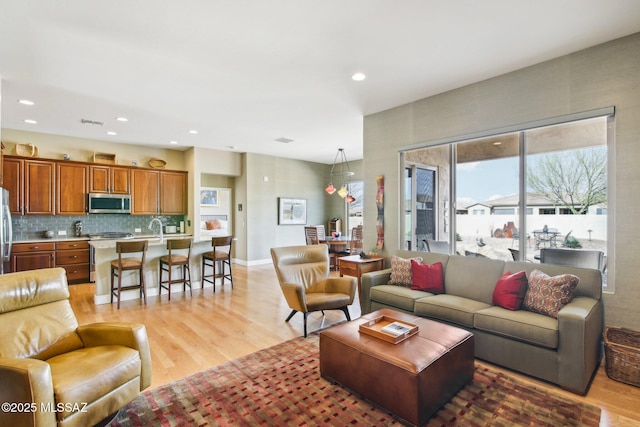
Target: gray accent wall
point(602, 76)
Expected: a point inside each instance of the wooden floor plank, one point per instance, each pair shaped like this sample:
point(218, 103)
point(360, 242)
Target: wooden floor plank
point(190, 334)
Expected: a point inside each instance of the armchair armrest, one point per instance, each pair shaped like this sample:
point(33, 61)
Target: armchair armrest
point(580, 326)
point(26, 381)
point(369, 280)
point(294, 293)
point(132, 335)
point(343, 285)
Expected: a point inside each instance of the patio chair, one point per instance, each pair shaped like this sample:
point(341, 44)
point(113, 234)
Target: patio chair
point(582, 258)
point(437, 247)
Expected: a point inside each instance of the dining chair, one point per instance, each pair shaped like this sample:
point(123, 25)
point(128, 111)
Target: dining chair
point(122, 264)
point(221, 254)
point(173, 259)
point(355, 244)
point(311, 235)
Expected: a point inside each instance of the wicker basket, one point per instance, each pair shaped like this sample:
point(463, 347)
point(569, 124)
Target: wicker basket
point(622, 354)
point(26, 150)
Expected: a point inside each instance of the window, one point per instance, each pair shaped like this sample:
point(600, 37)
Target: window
point(354, 210)
point(510, 186)
point(420, 209)
point(504, 211)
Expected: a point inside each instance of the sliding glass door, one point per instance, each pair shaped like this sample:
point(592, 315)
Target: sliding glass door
point(514, 193)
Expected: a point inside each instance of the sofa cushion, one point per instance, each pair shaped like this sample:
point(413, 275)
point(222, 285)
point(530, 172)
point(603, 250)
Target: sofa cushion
point(510, 290)
point(396, 296)
point(427, 277)
point(401, 271)
point(521, 325)
point(473, 278)
point(547, 295)
point(450, 308)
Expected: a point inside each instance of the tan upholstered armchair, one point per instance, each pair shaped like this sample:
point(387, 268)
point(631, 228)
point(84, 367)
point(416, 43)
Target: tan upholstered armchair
point(303, 273)
point(54, 372)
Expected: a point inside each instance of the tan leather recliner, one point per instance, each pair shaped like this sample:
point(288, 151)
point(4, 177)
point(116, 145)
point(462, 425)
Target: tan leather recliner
point(54, 372)
point(303, 273)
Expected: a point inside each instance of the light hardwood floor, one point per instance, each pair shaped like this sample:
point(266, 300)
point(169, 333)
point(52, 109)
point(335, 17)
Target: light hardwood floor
point(190, 334)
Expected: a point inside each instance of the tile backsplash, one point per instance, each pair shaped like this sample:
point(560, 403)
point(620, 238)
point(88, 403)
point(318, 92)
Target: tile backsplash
point(27, 227)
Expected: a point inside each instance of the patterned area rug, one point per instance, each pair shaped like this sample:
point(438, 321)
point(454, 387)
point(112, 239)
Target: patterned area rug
point(282, 386)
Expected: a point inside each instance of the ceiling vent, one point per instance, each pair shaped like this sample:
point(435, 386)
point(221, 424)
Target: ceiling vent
point(91, 122)
point(284, 140)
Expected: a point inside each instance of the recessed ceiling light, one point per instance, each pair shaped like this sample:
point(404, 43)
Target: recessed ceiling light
point(122, 119)
point(26, 102)
point(112, 133)
point(193, 132)
point(497, 143)
point(173, 142)
point(30, 121)
point(358, 77)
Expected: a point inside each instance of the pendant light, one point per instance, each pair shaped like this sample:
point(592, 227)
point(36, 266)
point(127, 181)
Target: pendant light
point(343, 172)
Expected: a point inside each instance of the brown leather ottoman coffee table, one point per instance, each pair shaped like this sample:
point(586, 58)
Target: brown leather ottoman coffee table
point(413, 378)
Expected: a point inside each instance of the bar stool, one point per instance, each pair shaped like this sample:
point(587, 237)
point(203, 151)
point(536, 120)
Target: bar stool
point(129, 264)
point(221, 254)
point(167, 262)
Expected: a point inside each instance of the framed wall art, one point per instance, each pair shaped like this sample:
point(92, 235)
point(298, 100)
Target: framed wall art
point(209, 196)
point(292, 211)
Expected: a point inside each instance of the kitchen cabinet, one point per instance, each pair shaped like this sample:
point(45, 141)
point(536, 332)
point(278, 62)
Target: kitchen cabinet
point(109, 179)
point(71, 188)
point(32, 256)
point(158, 192)
point(173, 193)
point(73, 256)
point(13, 181)
point(145, 195)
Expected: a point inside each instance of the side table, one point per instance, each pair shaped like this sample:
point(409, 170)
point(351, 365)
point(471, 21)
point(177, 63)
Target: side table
point(355, 266)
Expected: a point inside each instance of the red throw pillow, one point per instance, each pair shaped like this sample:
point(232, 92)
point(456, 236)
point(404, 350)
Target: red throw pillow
point(510, 290)
point(427, 277)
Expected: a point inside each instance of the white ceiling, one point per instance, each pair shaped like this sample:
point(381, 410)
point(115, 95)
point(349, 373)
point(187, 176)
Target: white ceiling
point(245, 72)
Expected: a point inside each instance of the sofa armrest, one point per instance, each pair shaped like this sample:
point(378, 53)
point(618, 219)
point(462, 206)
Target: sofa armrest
point(132, 335)
point(342, 285)
point(580, 326)
point(28, 382)
point(369, 280)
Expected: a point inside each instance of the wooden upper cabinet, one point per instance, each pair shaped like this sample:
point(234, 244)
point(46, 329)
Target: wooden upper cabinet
point(145, 192)
point(71, 188)
point(39, 181)
point(173, 193)
point(13, 182)
point(109, 179)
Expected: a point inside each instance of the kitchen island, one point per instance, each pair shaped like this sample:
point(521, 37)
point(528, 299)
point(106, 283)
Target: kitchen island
point(105, 252)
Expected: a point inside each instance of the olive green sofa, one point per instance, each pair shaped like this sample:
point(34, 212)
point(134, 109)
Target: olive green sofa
point(565, 351)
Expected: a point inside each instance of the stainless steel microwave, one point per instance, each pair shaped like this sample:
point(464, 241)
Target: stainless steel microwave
point(109, 203)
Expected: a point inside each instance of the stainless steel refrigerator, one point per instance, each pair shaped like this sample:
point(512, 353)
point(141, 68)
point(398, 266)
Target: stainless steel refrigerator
point(6, 233)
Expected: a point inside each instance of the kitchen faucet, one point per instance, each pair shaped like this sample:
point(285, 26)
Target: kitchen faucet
point(159, 224)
